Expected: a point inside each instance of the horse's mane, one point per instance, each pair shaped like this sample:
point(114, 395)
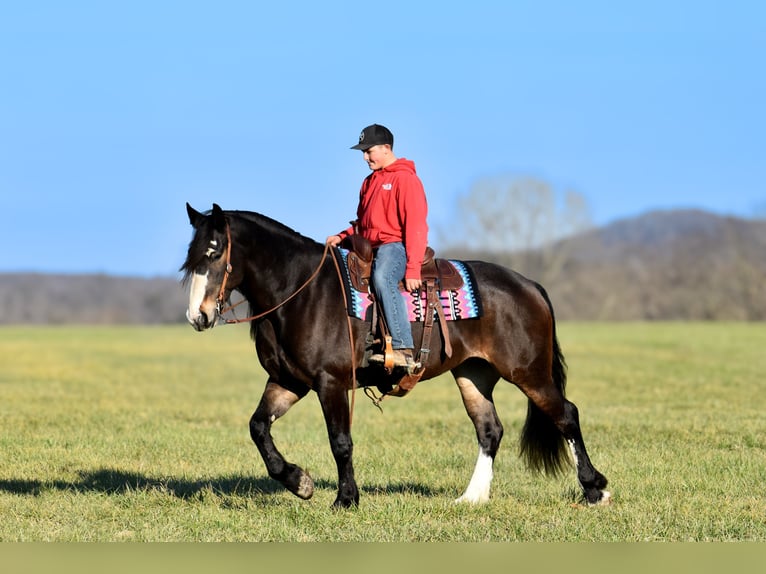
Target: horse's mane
point(272, 226)
point(260, 224)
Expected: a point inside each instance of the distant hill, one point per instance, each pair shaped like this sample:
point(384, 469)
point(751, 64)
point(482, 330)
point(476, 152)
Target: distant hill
point(674, 265)
point(674, 230)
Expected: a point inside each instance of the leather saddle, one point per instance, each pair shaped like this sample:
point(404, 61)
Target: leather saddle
point(439, 271)
point(436, 274)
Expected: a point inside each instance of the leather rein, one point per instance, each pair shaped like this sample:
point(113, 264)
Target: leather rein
point(221, 310)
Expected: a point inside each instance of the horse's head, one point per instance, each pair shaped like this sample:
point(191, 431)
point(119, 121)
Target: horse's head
point(206, 265)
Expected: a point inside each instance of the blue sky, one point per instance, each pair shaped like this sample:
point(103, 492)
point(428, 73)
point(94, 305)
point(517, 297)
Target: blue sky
point(114, 114)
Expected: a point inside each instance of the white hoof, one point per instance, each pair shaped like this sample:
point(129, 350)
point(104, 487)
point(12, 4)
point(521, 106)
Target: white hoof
point(606, 499)
point(470, 499)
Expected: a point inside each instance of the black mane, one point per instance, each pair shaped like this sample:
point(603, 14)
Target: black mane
point(273, 226)
point(278, 233)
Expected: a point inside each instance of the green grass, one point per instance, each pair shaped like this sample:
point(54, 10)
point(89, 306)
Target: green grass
point(140, 434)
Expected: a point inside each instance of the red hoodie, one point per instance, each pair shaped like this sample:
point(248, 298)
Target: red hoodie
point(393, 207)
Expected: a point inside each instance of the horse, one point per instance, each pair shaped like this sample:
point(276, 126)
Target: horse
point(281, 274)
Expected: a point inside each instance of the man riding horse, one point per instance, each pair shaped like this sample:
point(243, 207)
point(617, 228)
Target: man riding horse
point(392, 216)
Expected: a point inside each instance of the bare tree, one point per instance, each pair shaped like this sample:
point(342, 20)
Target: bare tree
point(519, 221)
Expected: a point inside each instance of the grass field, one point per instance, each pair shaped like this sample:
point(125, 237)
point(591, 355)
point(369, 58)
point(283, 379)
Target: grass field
point(140, 434)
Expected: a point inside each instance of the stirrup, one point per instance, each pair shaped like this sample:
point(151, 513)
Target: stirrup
point(389, 360)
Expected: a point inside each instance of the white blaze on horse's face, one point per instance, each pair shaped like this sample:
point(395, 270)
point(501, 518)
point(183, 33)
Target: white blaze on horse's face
point(203, 306)
point(201, 312)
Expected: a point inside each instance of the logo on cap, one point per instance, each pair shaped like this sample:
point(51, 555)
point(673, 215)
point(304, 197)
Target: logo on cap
point(374, 135)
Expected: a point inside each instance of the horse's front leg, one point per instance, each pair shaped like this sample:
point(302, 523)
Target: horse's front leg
point(275, 402)
point(334, 401)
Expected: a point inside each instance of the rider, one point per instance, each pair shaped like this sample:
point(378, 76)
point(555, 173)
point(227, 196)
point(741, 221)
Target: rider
point(392, 216)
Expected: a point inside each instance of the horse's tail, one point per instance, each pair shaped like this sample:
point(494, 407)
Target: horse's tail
point(542, 445)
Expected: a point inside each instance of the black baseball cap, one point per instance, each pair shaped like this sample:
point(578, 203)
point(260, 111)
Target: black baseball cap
point(374, 135)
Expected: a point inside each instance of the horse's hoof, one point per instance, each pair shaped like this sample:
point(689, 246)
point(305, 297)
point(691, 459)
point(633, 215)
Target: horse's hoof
point(482, 498)
point(345, 503)
point(605, 500)
point(305, 488)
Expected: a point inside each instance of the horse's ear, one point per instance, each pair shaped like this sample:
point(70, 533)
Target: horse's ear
point(195, 217)
point(219, 219)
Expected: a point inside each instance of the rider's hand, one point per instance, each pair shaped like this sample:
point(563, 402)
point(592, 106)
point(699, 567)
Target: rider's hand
point(412, 284)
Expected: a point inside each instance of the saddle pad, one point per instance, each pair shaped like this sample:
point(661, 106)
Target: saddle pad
point(463, 303)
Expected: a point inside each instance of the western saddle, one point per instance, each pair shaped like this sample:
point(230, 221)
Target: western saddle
point(436, 274)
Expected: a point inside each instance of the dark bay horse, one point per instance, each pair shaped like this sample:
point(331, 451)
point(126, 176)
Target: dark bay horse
point(304, 345)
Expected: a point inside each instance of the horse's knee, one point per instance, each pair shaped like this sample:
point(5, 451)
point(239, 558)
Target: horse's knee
point(490, 433)
point(489, 429)
point(342, 446)
point(571, 411)
point(258, 427)
point(275, 402)
point(570, 423)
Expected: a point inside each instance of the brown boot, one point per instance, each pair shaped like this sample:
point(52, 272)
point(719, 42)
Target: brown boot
point(404, 358)
point(401, 358)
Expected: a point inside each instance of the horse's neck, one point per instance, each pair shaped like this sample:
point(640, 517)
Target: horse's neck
point(276, 264)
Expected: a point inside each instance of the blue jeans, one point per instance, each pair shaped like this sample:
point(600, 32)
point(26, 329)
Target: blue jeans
point(387, 270)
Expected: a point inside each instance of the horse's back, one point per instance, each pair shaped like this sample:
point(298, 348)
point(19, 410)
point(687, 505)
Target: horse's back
point(504, 290)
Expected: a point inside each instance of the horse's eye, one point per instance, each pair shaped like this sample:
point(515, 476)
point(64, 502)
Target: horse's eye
point(212, 251)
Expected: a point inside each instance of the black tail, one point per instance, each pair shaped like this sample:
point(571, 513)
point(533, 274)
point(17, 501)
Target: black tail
point(542, 445)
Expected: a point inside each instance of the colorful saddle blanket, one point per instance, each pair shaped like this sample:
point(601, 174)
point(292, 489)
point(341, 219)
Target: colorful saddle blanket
point(463, 303)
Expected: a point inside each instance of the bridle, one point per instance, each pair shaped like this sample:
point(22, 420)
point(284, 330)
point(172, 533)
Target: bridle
point(221, 301)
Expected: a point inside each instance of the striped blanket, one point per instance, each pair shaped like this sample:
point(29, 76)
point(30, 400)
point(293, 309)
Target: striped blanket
point(463, 303)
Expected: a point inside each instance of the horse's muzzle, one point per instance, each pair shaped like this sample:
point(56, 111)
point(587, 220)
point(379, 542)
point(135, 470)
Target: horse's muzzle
point(201, 321)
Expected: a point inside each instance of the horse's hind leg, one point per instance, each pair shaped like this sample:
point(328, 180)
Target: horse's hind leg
point(592, 482)
point(546, 406)
point(275, 402)
point(476, 379)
